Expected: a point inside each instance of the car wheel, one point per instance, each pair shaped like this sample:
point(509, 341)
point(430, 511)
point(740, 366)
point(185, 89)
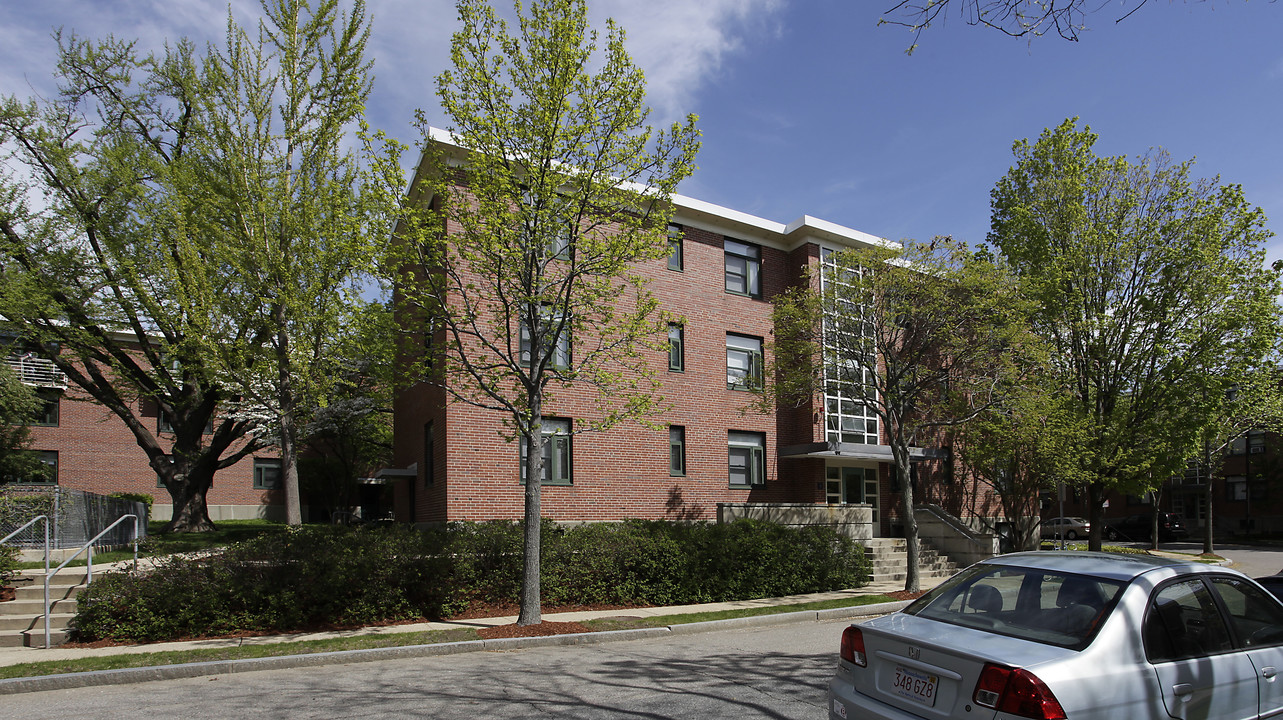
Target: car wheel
point(1111, 534)
point(1071, 535)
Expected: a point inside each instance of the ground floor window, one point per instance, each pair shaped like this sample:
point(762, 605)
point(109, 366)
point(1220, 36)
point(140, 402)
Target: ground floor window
point(557, 456)
point(46, 473)
point(747, 454)
point(267, 473)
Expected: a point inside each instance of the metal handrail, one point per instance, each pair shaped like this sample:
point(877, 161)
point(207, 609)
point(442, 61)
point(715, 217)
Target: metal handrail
point(31, 522)
point(89, 572)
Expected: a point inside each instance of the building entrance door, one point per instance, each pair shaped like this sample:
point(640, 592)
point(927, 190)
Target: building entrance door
point(852, 485)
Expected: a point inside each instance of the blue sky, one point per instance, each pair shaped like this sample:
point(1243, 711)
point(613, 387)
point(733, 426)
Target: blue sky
point(808, 107)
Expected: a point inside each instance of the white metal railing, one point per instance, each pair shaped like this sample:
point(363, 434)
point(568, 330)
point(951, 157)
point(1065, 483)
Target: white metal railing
point(37, 371)
point(89, 562)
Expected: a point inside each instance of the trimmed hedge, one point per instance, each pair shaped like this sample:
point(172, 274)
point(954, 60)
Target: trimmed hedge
point(322, 576)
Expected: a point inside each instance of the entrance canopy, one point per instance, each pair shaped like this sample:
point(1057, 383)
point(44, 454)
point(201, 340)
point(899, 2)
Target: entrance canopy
point(855, 451)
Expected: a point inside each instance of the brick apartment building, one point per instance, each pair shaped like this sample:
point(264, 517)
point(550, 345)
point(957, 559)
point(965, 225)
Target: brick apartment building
point(87, 447)
point(826, 462)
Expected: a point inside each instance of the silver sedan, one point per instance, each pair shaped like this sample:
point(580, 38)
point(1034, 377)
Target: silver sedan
point(1070, 635)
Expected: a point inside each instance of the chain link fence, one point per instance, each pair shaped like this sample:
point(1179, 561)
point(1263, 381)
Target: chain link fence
point(75, 516)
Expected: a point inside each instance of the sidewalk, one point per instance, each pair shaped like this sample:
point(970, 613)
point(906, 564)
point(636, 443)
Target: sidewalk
point(13, 656)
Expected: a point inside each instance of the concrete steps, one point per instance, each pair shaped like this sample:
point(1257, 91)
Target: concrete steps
point(22, 620)
point(890, 558)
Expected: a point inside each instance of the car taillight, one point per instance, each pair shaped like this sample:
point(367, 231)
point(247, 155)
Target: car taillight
point(1016, 692)
point(853, 647)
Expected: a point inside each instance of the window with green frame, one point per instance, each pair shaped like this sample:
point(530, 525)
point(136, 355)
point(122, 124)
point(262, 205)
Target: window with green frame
point(743, 268)
point(676, 450)
point(676, 347)
point(267, 473)
point(548, 320)
point(675, 260)
point(747, 458)
point(557, 455)
point(743, 362)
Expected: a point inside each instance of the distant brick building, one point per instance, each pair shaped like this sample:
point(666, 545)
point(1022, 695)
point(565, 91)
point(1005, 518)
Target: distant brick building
point(714, 456)
point(87, 447)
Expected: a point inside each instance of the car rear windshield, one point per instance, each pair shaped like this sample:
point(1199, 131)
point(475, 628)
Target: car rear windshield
point(1053, 608)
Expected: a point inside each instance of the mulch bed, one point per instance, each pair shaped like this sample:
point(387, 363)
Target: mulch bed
point(8, 593)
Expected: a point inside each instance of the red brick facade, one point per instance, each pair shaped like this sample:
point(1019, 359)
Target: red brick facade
point(97, 453)
point(625, 473)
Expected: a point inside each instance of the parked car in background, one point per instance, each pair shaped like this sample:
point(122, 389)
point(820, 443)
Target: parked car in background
point(1069, 528)
point(1136, 528)
point(1054, 635)
point(1273, 583)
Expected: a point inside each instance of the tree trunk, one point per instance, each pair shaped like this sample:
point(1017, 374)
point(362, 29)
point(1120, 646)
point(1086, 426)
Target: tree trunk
point(187, 487)
point(1095, 515)
point(912, 579)
point(531, 602)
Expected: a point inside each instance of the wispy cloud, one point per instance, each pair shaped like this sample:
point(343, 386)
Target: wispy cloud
point(682, 45)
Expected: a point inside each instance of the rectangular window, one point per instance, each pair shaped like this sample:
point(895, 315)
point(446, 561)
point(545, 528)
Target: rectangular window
point(1255, 442)
point(1236, 487)
point(267, 473)
point(429, 455)
point(743, 362)
point(548, 324)
point(743, 268)
point(676, 450)
point(48, 408)
point(557, 458)
point(45, 474)
point(747, 456)
point(676, 347)
point(675, 247)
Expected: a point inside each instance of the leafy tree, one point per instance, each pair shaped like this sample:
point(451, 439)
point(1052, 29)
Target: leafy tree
point(104, 254)
point(1152, 297)
point(1017, 18)
point(921, 334)
point(1254, 404)
point(1020, 447)
point(18, 404)
point(350, 433)
point(292, 207)
point(560, 192)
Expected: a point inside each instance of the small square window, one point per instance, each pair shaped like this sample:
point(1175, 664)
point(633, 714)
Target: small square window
point(267, 473)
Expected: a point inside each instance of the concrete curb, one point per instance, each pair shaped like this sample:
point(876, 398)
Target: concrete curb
point(13, 686)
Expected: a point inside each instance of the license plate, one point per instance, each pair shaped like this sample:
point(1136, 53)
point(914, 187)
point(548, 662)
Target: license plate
point(917, 686)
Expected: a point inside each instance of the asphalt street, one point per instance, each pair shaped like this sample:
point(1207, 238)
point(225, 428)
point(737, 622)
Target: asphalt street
point(769, 672)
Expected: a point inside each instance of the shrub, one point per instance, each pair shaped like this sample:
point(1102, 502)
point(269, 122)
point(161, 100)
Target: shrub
point(326, 576)
point(8, 563)
point(143, 498)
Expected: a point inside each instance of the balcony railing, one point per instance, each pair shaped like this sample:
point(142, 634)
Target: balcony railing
point(37, 371)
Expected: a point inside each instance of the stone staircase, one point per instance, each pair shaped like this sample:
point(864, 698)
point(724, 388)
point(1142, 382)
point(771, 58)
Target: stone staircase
point(890, 557)
point(22, 620)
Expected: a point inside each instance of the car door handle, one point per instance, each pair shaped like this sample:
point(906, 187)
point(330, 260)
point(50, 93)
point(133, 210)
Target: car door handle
point(1182, 689)
point(1269, 672)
